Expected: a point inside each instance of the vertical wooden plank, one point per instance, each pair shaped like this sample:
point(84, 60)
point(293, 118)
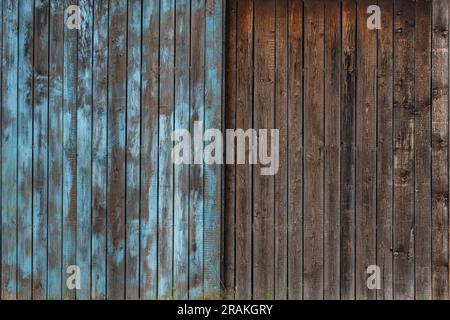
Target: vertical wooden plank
point(181, 172)
point(281, 123)
point(314, 150)
point(332, 150)
point(84, 150)
point(117, 75)
point(244, 194)
point(348, 136)
point(404, 150)
point(70, 149)
point(385, 148)
point(133, 149)
point(422, 141)
point(295, 145)
point(263, 210)
point(166, 115)
point(9, 151)
point(25, 156)
point(213, 172)
point(230, 170)
point(40, 151)
point(366, 125)
point(149, 148)
point(439, 150)
point(99, 148)
point(55, 149)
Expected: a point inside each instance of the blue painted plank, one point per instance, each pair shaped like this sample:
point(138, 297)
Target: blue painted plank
point(25, 156)
point(69, 197)
point(166, 125)
point(99, 151)
point(55, 149)
point(213, 119)
point(181, 173)
point(133, 148)
point(197, 104)
point(84, 151)
point(40, 149)
point(149, 149)
point(116, 149)
point(9, 151)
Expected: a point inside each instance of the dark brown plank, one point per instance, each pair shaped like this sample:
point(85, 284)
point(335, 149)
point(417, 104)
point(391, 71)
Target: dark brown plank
point(332, 149)
point(314, 149)
point(295, 151)
point(263, 186)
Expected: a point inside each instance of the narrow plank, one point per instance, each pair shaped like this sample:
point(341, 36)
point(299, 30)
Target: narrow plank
point(295, 154)
point(314, 150)
point(99, 149)
point(230, 208)
point(385, 147)
point(244, 195)
point(366, 125)
point(69, 197)
point(149, 148)
point(439, 150)
point(117, 75)
point(263, 186)
point(166, 124)
point(40, 150)
point(55, 150)
point(25, 156)
point(422, 141)
point(281, 123)
point(9, 150)
point(181, 172)
point(348, 152)
point(84, 149)
point(213, 173)
point(133, 141)
point(332, 150)
point(196, 176)
point(404, 150)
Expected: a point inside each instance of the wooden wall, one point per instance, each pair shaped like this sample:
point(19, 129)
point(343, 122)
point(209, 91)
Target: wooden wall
point(86, 172)
point(363, 119)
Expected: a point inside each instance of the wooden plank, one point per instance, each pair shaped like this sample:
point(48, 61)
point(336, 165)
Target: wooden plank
point(332, 150)
point(133, 142)
point(149, 147)
point(366, 125)
point(99, 149)
point(40, 150)
point(196, 191)
point(166, 115)
point(295, 154)
point(25, 141)
point(439, 150)
point(9, 151)
point(56, 57)
point(385, 148)
point(84, 151)
point(181, 172)
point(348, 152)
point(213, 173)
point(116, 149)
point(244, 194)
point(263, 204)
point(422, 141)
point(230, 114)
point(314, 150)
point(69, 197)
point(281, 123)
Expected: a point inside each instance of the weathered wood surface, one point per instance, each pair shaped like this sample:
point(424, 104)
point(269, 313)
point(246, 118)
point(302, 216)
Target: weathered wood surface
point(86, 126)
